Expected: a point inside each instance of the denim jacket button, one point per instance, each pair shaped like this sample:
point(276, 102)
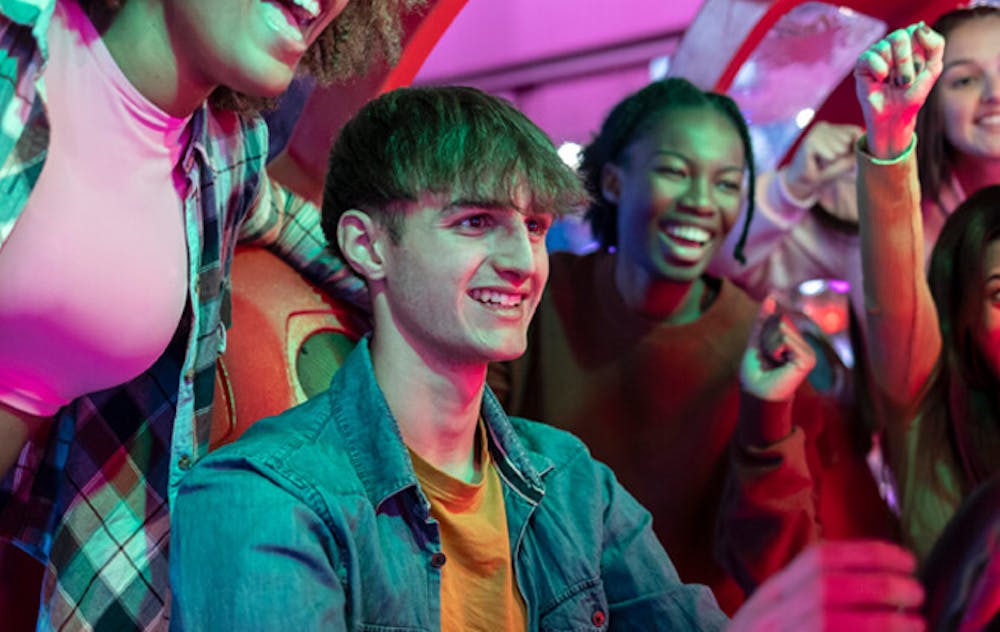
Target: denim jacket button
point(438, 560)
point(598, 618)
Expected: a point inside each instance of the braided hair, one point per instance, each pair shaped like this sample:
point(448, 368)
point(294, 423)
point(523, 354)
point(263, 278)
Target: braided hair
point(632, 117)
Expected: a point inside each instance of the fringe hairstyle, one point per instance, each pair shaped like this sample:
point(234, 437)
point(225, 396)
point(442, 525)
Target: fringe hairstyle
point(456, 142)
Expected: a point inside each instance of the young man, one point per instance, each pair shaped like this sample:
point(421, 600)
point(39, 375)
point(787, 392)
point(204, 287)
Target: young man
point(404, 497)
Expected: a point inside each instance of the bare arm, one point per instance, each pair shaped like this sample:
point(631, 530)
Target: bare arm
point(16, 427)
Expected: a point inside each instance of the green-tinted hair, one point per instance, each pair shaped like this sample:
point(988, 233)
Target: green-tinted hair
point(452, 141)
point(635, 116)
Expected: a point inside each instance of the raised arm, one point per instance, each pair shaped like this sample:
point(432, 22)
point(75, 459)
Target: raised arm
point(893, 78)
point(289, 225)
point(768, 512)
point(788, 241)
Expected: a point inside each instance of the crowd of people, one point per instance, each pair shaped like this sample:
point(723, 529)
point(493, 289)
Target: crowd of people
point(626, 439)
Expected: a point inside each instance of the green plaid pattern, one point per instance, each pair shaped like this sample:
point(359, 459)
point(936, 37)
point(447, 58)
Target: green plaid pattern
point(93, 500)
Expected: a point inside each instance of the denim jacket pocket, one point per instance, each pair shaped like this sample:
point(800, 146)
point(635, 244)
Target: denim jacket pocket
point(582, 607)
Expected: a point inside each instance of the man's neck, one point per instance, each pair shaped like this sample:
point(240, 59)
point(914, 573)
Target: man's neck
point(436, 404)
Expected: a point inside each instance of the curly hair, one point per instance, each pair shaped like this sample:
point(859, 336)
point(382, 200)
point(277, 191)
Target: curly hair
point(935, 155)
point(634, 116)
point(365, 32)
point(454, 141)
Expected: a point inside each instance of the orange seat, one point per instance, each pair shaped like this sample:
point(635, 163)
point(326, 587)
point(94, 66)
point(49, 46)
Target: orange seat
point(286, 342)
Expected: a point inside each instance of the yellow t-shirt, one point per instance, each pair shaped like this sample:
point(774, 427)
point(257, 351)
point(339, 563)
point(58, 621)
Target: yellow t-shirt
point(478, 591)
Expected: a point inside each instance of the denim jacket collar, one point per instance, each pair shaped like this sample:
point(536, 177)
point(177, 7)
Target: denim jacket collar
point(376, 448)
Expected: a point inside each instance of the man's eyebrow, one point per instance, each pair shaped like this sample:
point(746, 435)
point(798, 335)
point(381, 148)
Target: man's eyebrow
point(467, 203)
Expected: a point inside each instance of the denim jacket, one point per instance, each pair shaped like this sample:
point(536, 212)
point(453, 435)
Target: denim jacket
point(315, 520)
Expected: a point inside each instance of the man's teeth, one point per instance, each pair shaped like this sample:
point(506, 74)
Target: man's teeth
point(492, 297)
point(992, 119)
point(690, 233)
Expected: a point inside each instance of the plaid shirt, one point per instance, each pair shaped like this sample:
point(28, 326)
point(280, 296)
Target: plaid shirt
point(93, 499)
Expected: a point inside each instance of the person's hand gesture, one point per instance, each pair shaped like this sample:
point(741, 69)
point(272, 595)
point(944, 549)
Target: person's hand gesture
point(843, 585)
point(892, 80)
point(824, 155)
point(777, 358)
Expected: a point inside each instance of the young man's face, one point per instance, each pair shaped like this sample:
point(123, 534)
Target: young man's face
point(250, 46)
point(464, 280)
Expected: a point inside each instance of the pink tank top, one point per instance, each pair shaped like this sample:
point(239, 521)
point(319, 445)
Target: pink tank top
point(93, 278)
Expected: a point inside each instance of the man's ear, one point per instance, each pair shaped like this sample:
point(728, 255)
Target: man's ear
point(360, 240)
point(611, 182)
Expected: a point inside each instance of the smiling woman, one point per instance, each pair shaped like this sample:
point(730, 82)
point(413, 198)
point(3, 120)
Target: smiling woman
point(635, 348)
point(362, 33)
point(144, 154)
point(935, 343)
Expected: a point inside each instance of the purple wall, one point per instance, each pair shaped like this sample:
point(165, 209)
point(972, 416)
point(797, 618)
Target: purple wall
point(563, 62)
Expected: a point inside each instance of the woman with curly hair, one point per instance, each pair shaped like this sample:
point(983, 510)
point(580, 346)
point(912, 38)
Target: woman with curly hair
point(131, 162)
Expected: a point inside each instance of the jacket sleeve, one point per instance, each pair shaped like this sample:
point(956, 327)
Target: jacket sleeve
point(290, 226)
point(768, 513)
point(786, 244)
point(247, 555)
point(904, 341)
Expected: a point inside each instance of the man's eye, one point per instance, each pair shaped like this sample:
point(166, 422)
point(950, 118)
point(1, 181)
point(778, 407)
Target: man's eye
point(537, 226)
point(475, 221)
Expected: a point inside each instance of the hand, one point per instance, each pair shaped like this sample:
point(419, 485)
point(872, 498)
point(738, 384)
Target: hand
point(778, 358)
point(892, 80)
point(844, 585)
point(824, 155)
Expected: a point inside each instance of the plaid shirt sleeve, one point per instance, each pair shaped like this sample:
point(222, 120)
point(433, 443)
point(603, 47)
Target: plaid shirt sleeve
point(290, 226)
